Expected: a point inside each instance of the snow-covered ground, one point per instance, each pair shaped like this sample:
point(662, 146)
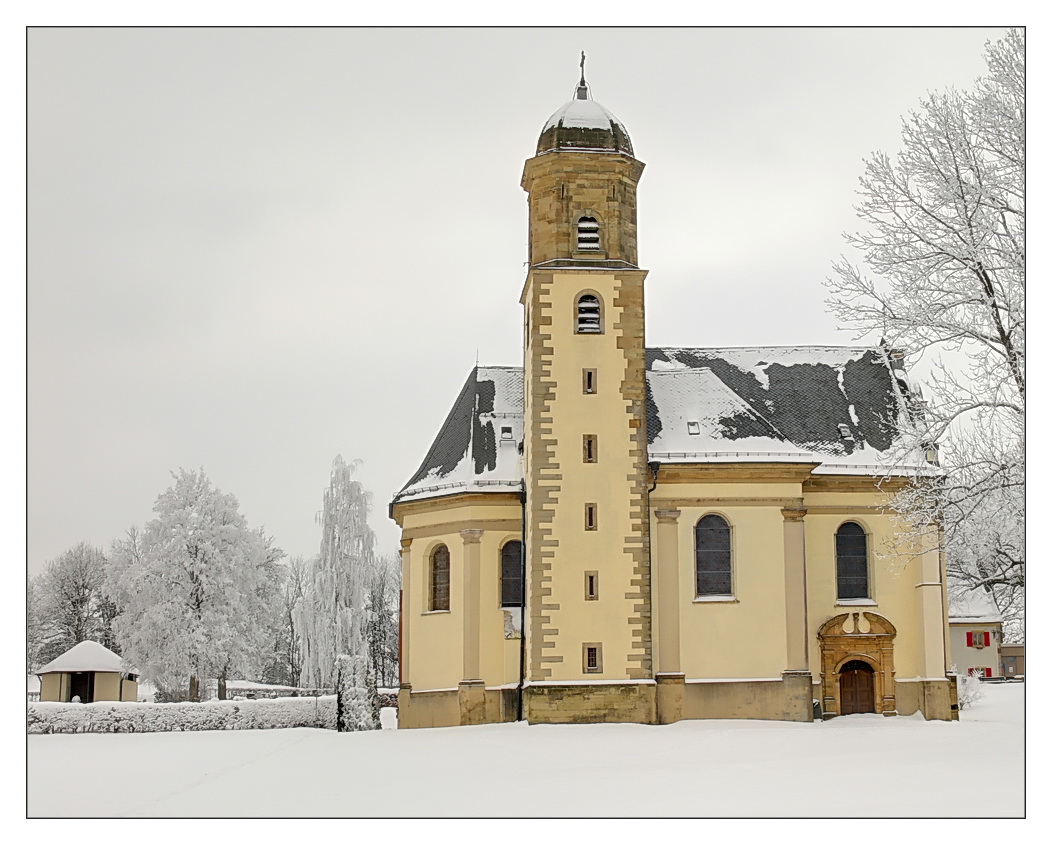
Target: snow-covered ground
point(863, 765)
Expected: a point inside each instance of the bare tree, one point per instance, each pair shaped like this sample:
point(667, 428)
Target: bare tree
point(943, 242)
point(381, 627)
point(69, 604)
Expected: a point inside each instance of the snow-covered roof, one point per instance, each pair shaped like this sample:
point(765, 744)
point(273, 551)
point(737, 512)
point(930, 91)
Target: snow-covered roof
point(838, 406)
point(835, 406)
point(976, 606)
point(583, 124)
point(86, 656)
point(477, 447)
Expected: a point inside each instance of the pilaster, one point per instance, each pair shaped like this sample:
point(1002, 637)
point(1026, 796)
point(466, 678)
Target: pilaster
point(668, 594)
point(470, 603)
point(795, 590)
point(405, 616)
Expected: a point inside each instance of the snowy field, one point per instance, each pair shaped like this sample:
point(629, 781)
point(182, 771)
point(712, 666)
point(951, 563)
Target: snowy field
point(898, 767)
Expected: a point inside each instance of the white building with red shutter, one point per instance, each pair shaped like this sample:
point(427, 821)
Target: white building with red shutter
point(975, 633)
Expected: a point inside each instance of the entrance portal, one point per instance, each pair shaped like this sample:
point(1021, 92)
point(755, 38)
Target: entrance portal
point(82, 686)
point(856, 688)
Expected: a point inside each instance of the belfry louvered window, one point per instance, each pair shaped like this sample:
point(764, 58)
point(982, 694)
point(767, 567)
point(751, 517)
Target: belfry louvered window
point(589, 315)
point(588, 233)
point(852, 562)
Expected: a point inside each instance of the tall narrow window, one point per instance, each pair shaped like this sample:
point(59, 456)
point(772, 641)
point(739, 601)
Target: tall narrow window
point(712, 546)
point(591, 586)
point(589, 315)
point(852, 562)
point(588, 381)
point(590, 517)
point(591, 448)
point(511, 574)
point(439, 592)
point(587, 233)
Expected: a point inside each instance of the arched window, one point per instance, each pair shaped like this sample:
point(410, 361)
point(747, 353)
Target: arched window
point(712, 546)
point(852, 562)
point(588, 233)
point(511, 574)
point(439, 587)
point(589, 314)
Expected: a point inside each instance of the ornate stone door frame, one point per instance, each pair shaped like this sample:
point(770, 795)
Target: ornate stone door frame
point(858, 635)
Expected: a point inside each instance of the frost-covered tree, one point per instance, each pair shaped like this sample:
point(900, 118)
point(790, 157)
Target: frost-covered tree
point(285, 665)
point(69, 604)
point(944, 246)
point(382, 619)
point(196, 589)
point(332, 615)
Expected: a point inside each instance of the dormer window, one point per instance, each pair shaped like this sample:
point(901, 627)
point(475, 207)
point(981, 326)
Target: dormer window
point(589, 314)
point(587, 233)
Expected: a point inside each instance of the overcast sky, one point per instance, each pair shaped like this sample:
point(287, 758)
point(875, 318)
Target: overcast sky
point(253, 249)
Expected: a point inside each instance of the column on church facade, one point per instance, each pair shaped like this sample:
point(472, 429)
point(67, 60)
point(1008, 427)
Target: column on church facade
point(404, 614)
point(470, 604)
point(668, 591)
point(796, 638)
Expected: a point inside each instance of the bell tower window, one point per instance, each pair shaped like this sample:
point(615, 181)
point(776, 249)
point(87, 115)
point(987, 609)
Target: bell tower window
point(587, 233)
point(589, 314)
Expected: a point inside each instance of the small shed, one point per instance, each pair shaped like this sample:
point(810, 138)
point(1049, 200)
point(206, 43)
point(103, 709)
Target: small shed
point(88, 672)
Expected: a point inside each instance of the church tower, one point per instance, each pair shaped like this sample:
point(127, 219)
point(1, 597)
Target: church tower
point(585, 439)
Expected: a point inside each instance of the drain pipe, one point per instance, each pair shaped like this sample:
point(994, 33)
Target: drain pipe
point(522, 602)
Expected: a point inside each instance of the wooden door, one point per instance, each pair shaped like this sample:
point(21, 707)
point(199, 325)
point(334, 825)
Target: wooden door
point(856, 688)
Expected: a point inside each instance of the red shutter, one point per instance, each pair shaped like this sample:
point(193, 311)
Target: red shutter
point(986, 638)
point(989, 671)
point(969, 639)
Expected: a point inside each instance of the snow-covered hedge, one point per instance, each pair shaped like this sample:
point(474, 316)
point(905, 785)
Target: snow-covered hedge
point(48, 717)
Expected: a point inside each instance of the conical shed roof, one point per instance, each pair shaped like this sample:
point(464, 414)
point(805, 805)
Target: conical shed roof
point(87, 656)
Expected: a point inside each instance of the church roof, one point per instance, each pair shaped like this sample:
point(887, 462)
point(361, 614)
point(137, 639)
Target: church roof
point(477, 447)
point(835, 406)
point(583, 124)
point(85, 656)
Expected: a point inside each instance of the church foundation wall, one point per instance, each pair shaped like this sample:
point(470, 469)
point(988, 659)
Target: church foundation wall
point(589, 703)
point(777, 699)
point(933, 699)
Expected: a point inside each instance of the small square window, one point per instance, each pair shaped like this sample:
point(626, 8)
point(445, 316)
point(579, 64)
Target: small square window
point(505, 432)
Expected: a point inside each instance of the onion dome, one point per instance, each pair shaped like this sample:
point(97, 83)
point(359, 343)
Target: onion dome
point(583, 124)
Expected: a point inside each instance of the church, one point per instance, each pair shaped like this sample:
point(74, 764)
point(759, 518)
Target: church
point(613, 532)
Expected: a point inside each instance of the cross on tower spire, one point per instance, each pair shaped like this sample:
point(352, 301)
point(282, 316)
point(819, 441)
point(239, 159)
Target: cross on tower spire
point(582, 86)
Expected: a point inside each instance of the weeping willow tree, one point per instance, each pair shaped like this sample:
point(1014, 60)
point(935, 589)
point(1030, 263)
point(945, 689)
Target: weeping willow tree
point(332, 613)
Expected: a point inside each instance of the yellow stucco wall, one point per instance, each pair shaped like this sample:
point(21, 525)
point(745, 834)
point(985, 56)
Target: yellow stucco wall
point(433, 640)
point(893, 580)
point(560, 614)
point(743, 637)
